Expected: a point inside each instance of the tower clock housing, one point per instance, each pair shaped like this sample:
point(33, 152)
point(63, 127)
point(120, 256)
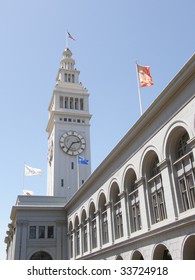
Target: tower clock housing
point(68, 131)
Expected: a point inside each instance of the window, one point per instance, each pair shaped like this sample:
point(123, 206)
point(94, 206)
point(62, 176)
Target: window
point(32, 232)
point(94, 233)
point(156, 192)
point(71, 245)
point(65, 77)
point(66, 103)
point(103, 219)
point(118, 220)
point(93, 226)
point(72, 165)
point(50, 232)
point(61, 101)
point(135, 211)
point(116, 211)
point(77, 237)
point(76, 103)
point(41, 256)
point(70, 234)
point(185, 175)
point(41, 232)
point(182, 145)
point(133, 200)
point(84, 232)
point(71, 103)
point(81, 104)
point(62, 182)
point(85, 237)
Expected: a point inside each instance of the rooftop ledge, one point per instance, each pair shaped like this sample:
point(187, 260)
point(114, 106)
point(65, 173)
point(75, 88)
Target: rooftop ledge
point(43, 201)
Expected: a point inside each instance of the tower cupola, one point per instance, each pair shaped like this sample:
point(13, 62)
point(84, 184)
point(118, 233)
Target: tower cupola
point(67, 72)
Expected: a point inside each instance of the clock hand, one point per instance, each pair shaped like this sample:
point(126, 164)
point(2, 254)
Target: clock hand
point(74, 142)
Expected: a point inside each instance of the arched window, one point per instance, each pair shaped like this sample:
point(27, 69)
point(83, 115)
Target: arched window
point(84, 231)
point(116, 211)
point(155, 189)
point(133, 200)
point(77, 236)
point(93, 226)
point(103, 219)
point(161, 252)
point(41, 255)
point(184, 172)
point(70, 230)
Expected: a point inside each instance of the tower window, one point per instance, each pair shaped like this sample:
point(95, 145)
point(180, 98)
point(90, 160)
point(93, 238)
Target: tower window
point(72, 165)
point(76, 104)
point(65, 77)
point(72, 78)
point(66, 102)
point(61, 101)
point(81, 104)
point(62, 182)
point(71, 103)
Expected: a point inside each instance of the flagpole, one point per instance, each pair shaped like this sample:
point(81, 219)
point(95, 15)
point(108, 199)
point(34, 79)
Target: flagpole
point(66, 39)
point(23, 178)
point(78, 175)
point(139, 92)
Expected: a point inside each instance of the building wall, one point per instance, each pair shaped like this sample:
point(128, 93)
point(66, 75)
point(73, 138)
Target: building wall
point(158, 137)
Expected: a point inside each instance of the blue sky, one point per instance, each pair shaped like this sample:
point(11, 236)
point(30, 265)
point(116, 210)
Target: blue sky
point(110, 37)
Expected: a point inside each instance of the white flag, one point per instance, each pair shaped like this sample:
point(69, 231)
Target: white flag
point(31, 171)
point(27, 192)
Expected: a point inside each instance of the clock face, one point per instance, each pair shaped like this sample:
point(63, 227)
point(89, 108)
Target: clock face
point(72, 143)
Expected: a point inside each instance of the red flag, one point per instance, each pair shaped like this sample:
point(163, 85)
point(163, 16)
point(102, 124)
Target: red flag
point(145, 78)
point(70, 36)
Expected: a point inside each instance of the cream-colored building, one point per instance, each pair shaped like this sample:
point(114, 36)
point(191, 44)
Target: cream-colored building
point(140, 201)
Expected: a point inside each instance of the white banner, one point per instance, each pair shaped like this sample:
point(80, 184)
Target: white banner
point(31, 171)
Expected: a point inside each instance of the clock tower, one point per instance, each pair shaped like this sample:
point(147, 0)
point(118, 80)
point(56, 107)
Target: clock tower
point(68, 132)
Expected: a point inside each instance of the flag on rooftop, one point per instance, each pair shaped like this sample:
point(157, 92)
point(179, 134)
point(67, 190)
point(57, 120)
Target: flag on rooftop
point(82, 160)
point(70, 36)
point(31, 171)
point(145, 78)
